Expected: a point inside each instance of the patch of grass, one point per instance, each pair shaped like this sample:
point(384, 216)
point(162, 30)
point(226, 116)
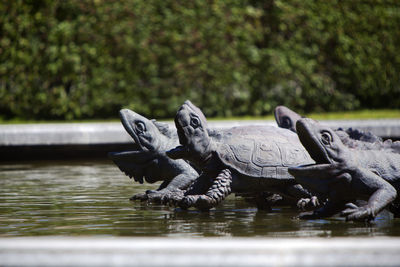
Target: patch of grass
point(238, 118)
point(22, 121)
point(357, 115)
point(344, 115)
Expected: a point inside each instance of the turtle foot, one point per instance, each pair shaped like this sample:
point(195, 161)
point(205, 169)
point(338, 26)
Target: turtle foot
point(355, 213)
point(172, 198)
point(328, 209)
point(307, 204)
point(200, 202)
point(150, 195)
point(164, 196)
point(140, 196)
point(220, 188)
point(155, 197)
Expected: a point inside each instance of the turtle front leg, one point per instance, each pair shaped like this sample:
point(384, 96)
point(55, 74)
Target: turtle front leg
point(219, 190)
point(301, 197)
point(151, 195)
point(382, 194)
point(173, 189)
point(148, 195)
point(197, 187)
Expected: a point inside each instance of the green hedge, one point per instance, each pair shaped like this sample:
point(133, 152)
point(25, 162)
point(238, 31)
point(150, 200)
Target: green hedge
point(87, 59)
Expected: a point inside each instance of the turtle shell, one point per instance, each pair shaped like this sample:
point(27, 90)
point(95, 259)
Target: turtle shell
point(262, 151)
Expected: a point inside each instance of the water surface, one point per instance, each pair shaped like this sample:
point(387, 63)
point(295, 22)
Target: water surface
point(91, 198)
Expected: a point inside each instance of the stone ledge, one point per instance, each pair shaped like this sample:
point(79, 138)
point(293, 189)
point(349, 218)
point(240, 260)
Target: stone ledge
point(63, 134)
point(124, 251)
point(114, 133)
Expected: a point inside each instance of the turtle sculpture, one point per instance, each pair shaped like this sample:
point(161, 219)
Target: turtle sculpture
point(248, 159)
point(345, 175)
point(352, 138)
point(148, 162)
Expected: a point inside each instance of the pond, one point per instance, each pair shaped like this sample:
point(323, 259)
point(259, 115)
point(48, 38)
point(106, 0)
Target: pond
point(91, 198)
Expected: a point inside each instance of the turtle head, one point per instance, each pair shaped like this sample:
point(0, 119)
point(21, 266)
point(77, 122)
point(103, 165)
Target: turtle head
point(149, 138)
point(326, 149)
point(191, 125)
point(321, 142)
point(144, 132)
point(286, 118)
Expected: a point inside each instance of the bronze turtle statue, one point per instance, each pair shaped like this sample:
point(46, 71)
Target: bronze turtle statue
point(148, 161)
point(248, 159)
point(350, 137)
point(345, 175)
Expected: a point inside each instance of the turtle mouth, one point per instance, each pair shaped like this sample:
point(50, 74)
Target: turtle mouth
point(178, 152)
point(314, 177)
point(308, 169)
point(310, 141)
point(132, 163)
point(183, 140)
point(182, 150)
point(127, 117)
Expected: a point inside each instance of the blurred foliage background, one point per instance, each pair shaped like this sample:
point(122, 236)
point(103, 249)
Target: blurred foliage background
point(83, 59)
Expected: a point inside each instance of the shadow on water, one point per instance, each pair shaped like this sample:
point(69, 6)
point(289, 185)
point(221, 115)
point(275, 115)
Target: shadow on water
point(91, 198)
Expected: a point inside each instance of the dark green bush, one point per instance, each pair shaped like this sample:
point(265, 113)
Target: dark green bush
point(87, 59)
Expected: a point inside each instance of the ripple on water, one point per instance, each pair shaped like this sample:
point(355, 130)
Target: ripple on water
point(91, 198)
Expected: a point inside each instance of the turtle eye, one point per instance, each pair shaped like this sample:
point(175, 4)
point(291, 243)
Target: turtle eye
point(140, 127)
point(326, 138)
point(194, 122)
point(286, 123)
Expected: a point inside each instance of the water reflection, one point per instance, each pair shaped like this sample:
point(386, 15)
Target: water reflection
point(91, 198)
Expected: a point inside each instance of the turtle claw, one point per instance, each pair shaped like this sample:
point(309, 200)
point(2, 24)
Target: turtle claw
point(302, 203)
point(351, 206)
point(155, 197)
point(169, 196)
point(308, 203)
point(200, 202)
point(172, 198)
point(163, 196)
point(203, 203)
point(160, 196)
point(354, 213)
point(188, 201)
point(140, 196)
point(315, 201)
